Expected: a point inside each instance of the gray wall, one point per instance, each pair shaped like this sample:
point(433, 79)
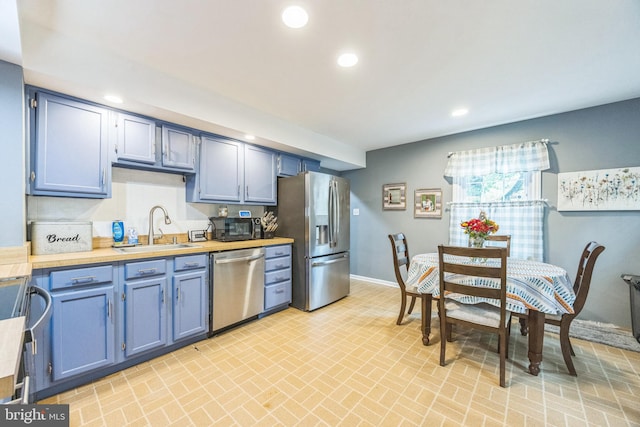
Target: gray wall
point(12, 200)
point(595, 138)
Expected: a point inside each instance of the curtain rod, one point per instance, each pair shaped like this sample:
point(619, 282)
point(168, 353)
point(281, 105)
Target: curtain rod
point(543, 141)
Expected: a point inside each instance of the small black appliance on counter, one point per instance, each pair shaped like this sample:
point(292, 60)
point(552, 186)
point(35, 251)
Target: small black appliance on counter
point(233, 229)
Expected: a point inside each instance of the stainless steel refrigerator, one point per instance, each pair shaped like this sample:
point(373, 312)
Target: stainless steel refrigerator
point(313, 209)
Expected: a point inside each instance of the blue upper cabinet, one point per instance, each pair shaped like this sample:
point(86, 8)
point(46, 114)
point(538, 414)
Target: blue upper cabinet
point(136, 139)
point(310, 165)
point(233, 172)
point(259, 175)
point(142, 144)
point(69, 147)
point(219, 178)
point(288, 165)
point(178, 148)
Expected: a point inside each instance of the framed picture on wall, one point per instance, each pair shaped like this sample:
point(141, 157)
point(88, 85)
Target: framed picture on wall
point(428, 203)
point(394, 196)
point(600, 190)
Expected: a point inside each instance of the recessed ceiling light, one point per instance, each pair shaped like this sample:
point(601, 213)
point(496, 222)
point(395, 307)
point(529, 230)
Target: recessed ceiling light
point(459, 112)
point(347, 60)
point(249, 137)
point(295, 17)
point(113, 98)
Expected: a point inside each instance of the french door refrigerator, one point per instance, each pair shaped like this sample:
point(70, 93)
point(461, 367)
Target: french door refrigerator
point(313, 209)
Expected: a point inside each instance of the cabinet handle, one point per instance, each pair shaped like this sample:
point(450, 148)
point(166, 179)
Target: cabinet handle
point(190, 264)
point(247, 191)
point(147, 271)
point(83, 279)
point(109, 308)
point(238, 190)
point(162, 296)
point(279, 291)
point(178, 293)
point(33, 176)
point(104, 175)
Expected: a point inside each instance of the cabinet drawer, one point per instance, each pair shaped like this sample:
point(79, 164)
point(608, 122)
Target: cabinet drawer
point(277, 263)
point(135, 270)
point(277, 251)
point(190, 262)
point(277, 294)
point(277, 276)
point(81, 277)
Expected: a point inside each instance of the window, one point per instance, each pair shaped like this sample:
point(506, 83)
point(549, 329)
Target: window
point(497, 187)
point(505, 183)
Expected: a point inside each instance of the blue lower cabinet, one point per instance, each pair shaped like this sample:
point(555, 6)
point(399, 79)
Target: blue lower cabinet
point(82, 331)
point(145, 315)
point(277, 277)
point(189, 304)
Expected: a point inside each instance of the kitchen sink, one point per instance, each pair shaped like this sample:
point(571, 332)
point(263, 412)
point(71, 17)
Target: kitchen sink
point(155, 248)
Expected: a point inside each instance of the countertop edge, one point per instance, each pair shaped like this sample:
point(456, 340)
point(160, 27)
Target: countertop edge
point(106, 255)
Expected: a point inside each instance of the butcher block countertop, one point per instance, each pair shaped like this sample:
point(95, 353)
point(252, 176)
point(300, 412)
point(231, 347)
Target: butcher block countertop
point(105, 255)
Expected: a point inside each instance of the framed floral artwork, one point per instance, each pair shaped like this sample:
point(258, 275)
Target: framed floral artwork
point(394, 196)
point(428, 203)
point(600, 190)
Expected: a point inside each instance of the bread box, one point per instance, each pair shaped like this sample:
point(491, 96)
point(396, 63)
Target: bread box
point(61, 237)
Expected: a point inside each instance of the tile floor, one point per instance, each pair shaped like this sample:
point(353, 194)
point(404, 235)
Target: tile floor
point(349, 364)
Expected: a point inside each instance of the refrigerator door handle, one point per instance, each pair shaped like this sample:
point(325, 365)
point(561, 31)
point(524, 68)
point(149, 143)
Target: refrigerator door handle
point(336, 212)
point(334, 224)
point(333, 261)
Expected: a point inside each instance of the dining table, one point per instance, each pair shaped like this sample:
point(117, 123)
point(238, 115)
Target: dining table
point(533, 288)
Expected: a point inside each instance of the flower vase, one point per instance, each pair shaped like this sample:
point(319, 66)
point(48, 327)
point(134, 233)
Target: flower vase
point(477, 242)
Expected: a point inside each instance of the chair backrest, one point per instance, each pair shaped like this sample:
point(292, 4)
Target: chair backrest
point(506, 238)
point(401, 258)
point(583, 276)
point(489, 277)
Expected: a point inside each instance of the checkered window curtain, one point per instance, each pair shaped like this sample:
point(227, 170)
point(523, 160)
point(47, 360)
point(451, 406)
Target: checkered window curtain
point(523, 220)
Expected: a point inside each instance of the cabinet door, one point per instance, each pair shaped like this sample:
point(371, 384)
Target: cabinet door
point(220, 170)
point(71, 148)
point(189, 304)
point(136, 139)
point(259, 175)
point(82, 331)
point(178, 148)
point(145, 315)
point(310, 165)
point(288, 165)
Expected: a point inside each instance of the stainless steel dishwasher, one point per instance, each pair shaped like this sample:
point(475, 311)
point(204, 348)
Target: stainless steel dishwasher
point(237, 288)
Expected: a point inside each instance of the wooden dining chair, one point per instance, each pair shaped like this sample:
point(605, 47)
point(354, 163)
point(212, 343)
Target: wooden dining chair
point(581, 286)
point(401, 258)
point(506, 238)
point(487, 280)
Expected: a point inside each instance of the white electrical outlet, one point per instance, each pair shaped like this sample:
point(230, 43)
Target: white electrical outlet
point(356, 211)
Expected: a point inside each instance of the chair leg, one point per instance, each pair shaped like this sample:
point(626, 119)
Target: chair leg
point(426, 301)
point(403, 304)
point(524, 327)
point(443, 341)
point(503, 356)
point(565, 346)
point(449, 336)
point(413, 303)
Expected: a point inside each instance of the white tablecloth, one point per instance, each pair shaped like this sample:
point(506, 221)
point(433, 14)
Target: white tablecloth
point(530, 284)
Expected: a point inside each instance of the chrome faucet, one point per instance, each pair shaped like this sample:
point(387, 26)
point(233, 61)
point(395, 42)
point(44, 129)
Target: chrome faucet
point(167, 220)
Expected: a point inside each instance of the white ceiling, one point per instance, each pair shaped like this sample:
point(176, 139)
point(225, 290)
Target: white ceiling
point(232, 67)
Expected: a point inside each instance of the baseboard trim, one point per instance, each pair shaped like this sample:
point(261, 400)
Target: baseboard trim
point(376, 281)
